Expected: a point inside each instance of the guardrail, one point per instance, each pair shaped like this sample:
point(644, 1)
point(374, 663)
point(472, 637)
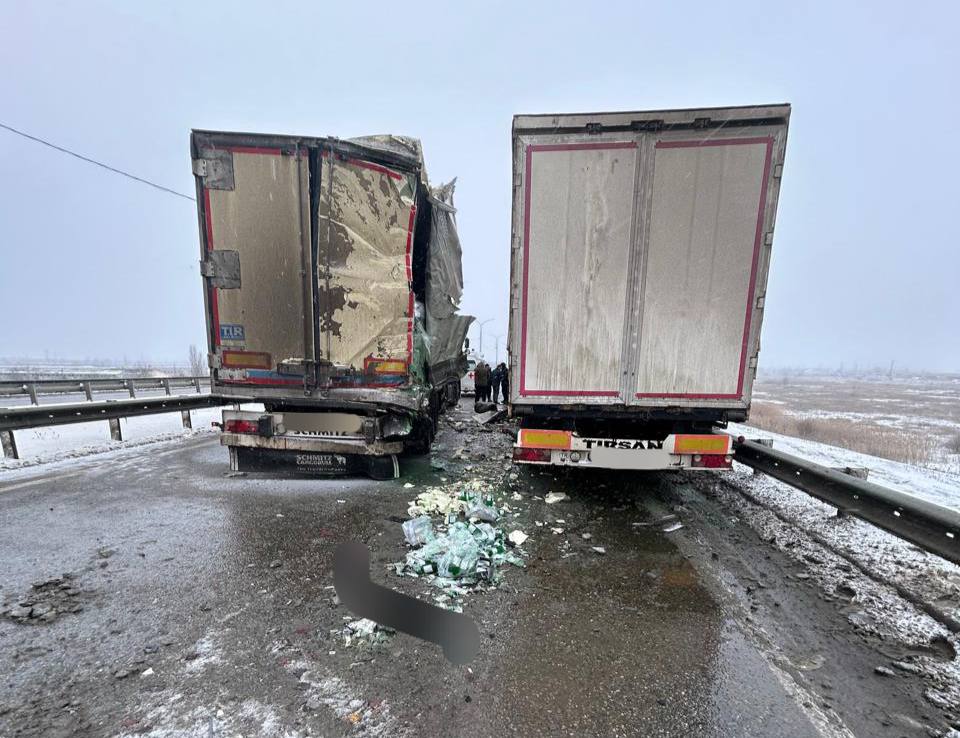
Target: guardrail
point(36, 416)
point(931, 527)
point(37, 388)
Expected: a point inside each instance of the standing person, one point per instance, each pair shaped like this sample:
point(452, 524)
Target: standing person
point(505, 381)
point(495, 378)
point(481, 380)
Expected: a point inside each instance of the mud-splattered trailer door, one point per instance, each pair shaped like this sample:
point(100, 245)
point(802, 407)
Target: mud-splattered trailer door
point(254, 208)
point(640, 252)
point(366, 218)
point(307, 259)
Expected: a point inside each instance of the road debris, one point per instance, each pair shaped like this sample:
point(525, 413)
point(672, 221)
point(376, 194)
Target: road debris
point(517, 537)
point(599, 549)
point(553, 497)
point(365, 631)
point(463, 550)
point(672, 527)
point(490, 416)
point(47, 600)
point(483, 510)
point(418, 531)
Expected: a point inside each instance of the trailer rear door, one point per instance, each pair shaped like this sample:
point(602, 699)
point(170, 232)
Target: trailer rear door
point(365, 306)
point(640, 254)
point(577, 236)
point(700, 259)
point(254, 212)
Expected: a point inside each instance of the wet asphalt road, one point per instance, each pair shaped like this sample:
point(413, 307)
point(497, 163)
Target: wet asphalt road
point(205, 607)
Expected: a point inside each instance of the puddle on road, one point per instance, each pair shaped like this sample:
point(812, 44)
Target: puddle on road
point(630, 642)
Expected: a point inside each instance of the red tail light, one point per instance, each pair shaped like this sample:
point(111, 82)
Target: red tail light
point(531, 454)
point(241, 426)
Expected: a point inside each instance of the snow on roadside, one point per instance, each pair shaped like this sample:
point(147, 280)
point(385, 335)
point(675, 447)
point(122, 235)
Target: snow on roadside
point(60, 445)
point(15, 468)
point(938, 486)
point(855, 562)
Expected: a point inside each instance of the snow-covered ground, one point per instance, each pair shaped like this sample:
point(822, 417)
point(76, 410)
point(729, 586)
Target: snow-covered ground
point(895, 590)
point(938, 486)
point(63, 442)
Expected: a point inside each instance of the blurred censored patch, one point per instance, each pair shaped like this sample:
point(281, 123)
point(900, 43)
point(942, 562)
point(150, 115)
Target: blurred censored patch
point(455, 633)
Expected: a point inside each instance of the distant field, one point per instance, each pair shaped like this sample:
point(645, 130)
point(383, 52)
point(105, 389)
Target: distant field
point(915, 420)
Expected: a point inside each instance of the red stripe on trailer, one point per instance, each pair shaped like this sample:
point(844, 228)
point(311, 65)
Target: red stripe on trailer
point(744, 345)
point(713, 142)
point(689, 395)
point(211, 291)
point(524, 391)
point(569, 393)
point(375, 167)
point(261, 380)
point(583, 146)
point(409, 263)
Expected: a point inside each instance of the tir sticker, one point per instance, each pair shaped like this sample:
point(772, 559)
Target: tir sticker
point(231, 333)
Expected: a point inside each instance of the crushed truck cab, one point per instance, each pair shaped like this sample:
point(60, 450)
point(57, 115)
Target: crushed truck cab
point(331, 280)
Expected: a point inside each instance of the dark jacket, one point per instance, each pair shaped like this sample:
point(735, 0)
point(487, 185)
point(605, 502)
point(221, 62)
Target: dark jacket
point(481, 375)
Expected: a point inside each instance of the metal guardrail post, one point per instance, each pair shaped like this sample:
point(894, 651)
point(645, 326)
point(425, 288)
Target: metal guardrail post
point(166, 385)
point(185, 417)
point(32, 389)
point(9, 444)
point(115, 432)
point(931, 527)
point(128, 383)
point(88, 391)
point(196, 383)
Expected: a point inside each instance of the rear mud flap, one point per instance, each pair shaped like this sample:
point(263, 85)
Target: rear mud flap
point(312, 464)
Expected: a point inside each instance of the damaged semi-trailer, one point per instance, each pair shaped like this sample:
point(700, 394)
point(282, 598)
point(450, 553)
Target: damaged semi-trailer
point(641, 245)
point(332, 278)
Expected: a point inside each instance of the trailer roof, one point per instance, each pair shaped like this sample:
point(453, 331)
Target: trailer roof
point(643, 119)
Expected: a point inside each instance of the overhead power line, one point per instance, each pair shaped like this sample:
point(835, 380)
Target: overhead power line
point(98, 163)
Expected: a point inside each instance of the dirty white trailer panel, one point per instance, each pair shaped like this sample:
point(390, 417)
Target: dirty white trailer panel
point(641, 245)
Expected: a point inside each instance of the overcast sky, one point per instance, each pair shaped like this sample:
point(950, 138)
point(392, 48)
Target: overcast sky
point(866, 258)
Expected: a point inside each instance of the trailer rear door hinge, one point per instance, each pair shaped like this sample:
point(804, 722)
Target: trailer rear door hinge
point(768, 238)
point(753, 362)
point(778, 171)
point(222, 268)
point(760, 302)
point(213, 361)
point(215, 168)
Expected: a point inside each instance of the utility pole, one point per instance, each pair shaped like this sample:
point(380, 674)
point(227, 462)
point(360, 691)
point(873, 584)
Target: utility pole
point(480, 349)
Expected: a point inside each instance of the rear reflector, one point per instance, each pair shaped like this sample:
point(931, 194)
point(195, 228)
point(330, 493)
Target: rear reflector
point(544, 438)
point(702, 444)
point(231, 359)
point(386, 366)
point(531, 454)
point(241, 426)
point(713, 461)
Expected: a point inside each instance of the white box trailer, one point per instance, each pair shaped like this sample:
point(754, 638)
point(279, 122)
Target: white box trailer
point(331, 281)
point(640, 250)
